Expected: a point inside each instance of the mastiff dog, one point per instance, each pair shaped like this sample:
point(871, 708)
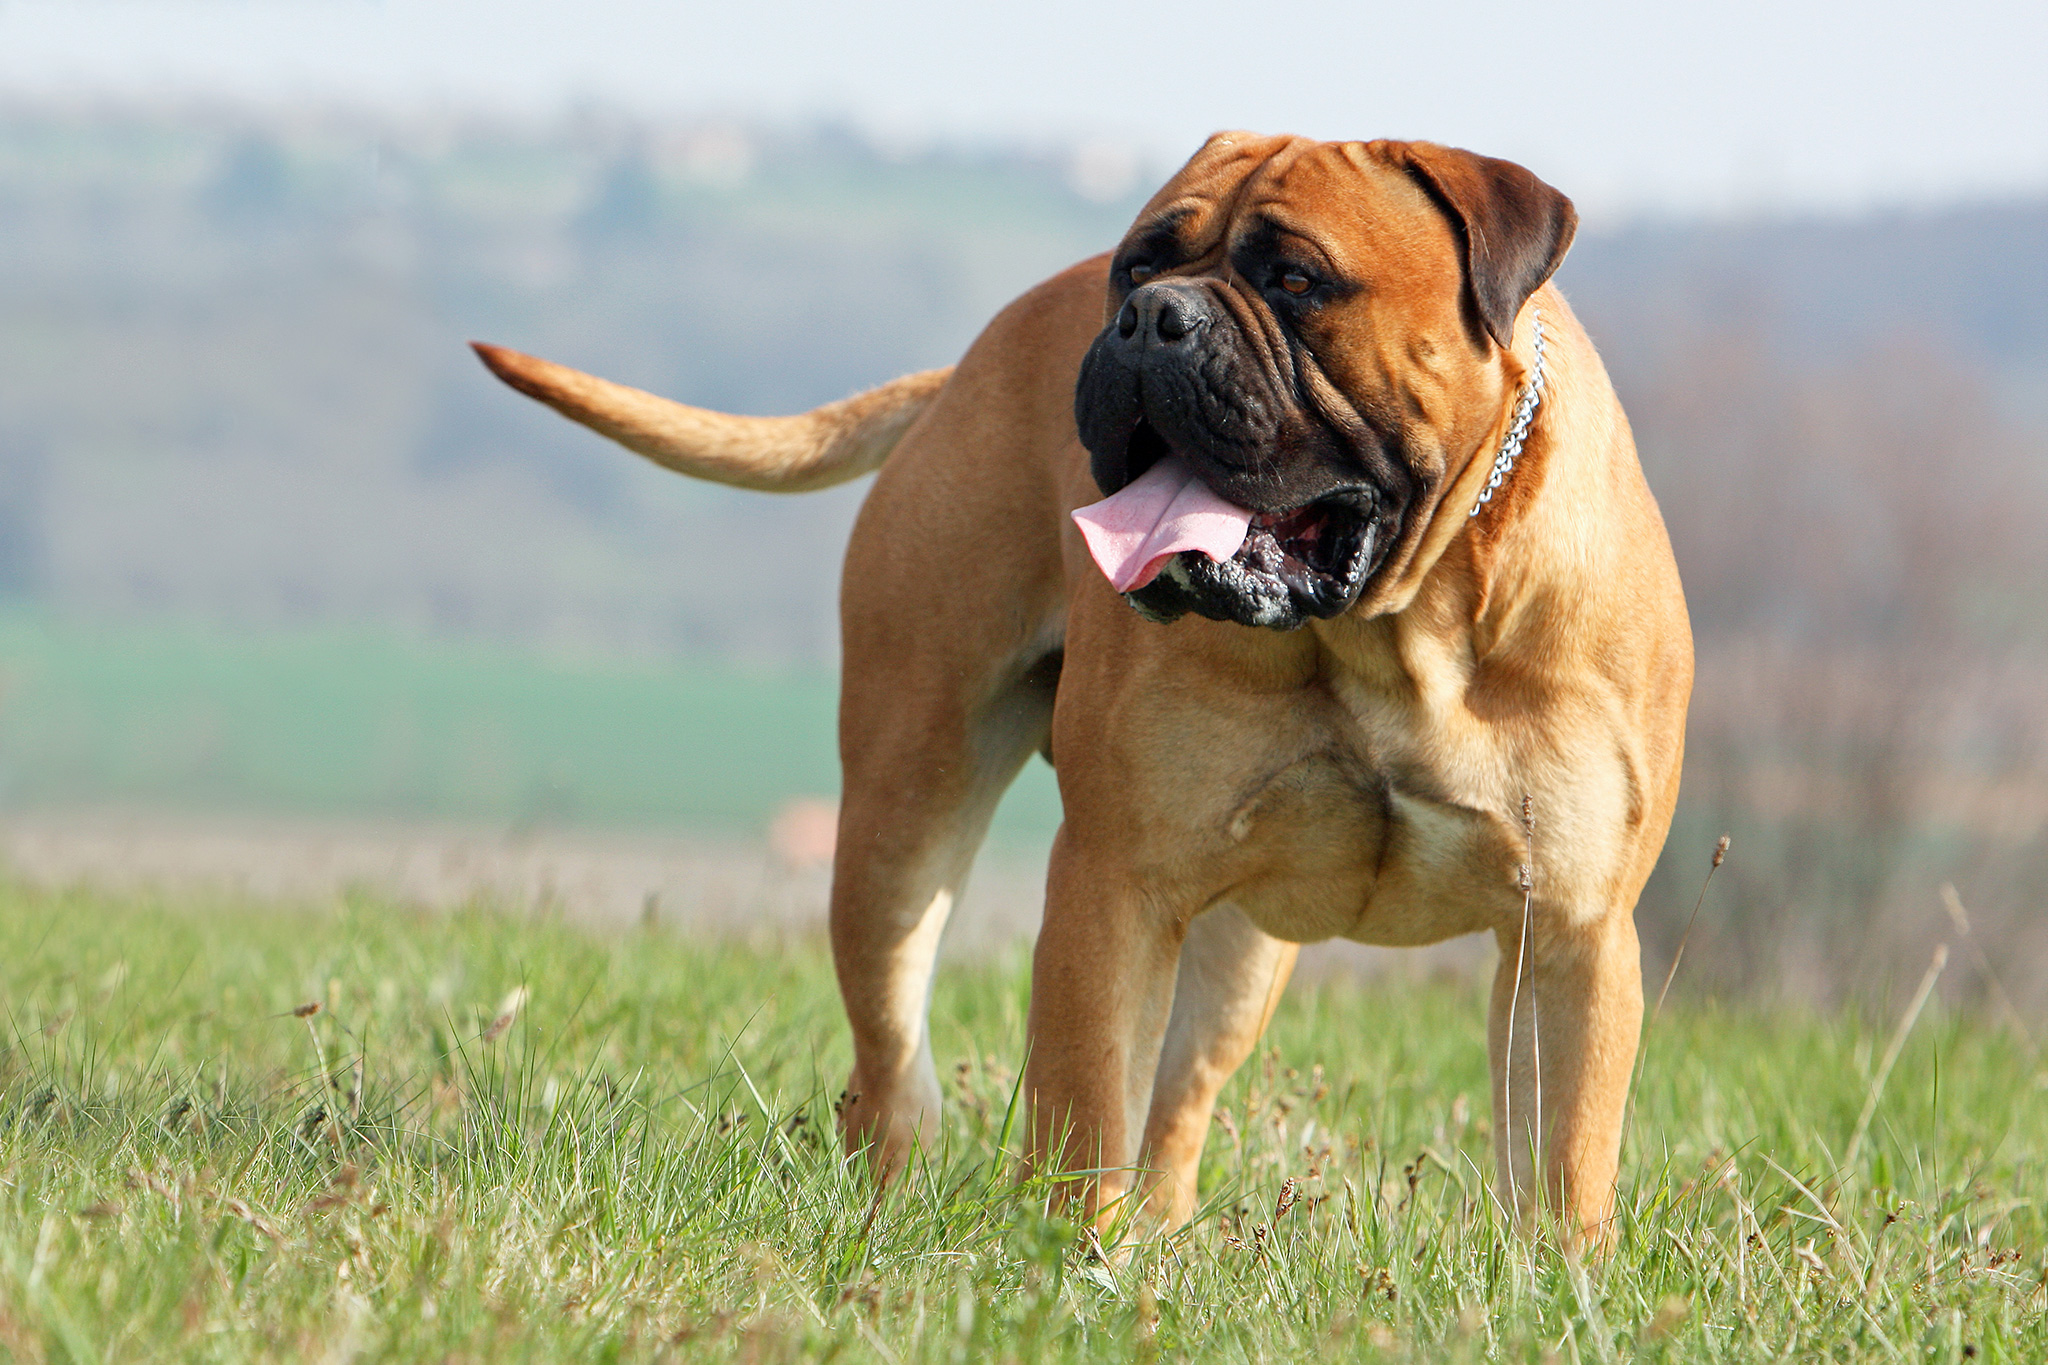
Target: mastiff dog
point(1305, 536)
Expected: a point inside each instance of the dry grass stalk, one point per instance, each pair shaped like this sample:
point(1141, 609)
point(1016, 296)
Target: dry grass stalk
point(254, 1219)
point(1953, 903)
point(1720, 856)
point(1290, 1190)
point(508, 1010)
point(1526, 878)
point(1891, 1052)
point(1721, 846)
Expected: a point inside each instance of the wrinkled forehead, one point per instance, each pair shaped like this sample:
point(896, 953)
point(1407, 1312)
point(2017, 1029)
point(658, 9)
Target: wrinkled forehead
point(1358, 209)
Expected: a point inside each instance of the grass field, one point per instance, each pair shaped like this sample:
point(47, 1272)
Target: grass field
point(502, 1139)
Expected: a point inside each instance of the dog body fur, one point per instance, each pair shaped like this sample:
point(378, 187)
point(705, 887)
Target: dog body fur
point(1232, 792)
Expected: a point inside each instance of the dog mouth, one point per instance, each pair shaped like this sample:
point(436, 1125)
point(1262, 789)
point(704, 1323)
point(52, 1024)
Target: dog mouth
point(1321, 553)
point(1171, 543)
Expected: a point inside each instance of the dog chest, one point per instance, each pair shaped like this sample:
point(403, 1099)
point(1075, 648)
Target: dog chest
point(1333, 846)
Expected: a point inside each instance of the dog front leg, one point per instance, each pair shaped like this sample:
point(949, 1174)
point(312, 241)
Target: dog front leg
point(1230, 979)
point(1566, 1012)
point(1102, 984)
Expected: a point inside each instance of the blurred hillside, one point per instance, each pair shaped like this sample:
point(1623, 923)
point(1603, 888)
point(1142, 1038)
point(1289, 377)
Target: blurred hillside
point(233, 382)
point(234, 394)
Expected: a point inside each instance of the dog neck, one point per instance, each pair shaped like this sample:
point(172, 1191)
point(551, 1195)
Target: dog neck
point(1482, 480)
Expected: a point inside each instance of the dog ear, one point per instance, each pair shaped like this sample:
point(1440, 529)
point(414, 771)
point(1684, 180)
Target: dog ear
point(1517, 229)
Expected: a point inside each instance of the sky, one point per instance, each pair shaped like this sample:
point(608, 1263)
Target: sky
point(1738, 107)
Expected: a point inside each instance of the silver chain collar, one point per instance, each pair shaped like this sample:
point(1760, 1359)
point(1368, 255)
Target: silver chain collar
point(1525, 412)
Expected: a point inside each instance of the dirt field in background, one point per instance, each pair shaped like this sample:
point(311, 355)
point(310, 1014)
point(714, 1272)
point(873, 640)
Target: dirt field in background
point(688, 883)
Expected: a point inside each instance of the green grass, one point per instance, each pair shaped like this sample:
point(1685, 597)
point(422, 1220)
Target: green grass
point(639, 1163)
point(334, 722)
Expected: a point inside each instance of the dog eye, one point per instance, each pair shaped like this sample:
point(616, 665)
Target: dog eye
point(1294, 282)
point(1140, 273)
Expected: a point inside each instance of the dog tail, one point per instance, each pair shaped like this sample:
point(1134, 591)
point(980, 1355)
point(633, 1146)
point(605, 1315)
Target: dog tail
point(818, 449)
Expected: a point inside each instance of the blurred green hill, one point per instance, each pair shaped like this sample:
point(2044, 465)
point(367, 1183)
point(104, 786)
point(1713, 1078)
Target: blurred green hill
point(336, 722)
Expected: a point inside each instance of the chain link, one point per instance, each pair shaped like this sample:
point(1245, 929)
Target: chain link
point(1525, 412)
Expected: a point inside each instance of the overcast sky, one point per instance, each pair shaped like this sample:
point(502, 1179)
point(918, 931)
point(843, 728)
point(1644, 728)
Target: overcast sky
point(1738, 106)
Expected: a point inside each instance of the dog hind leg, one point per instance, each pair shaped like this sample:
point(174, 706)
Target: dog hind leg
point(920, 789)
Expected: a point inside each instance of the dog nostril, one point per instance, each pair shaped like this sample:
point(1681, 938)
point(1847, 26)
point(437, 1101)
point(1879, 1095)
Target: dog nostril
point(1127, 322)
point(1171, 324)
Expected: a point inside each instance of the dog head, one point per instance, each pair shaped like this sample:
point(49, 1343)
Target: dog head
point(1320, 331)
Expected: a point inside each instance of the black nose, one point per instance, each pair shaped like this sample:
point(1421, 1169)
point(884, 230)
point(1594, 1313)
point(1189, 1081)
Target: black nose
point(1163, 314)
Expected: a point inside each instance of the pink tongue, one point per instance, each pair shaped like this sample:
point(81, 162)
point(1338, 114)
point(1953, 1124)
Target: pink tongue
point(1163, 511)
